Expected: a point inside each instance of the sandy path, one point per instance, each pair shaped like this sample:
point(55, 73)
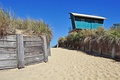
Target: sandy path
point(67, 65)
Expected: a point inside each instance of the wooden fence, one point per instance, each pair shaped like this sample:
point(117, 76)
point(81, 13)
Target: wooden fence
point(99, 49)
point(16, 51)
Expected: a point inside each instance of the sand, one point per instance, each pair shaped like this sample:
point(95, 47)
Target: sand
point(67, 65)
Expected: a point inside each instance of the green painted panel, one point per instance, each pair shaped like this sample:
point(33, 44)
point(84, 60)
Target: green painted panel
point(96, 25)
point(82, 25)
point(87, 23)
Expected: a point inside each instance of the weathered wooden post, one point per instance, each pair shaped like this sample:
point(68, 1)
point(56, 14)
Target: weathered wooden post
point(20, 51)
point(90, 47)
point(49, 52)
point(100, 50)
point(45, 49)
point(57, 44)
point(113, 52)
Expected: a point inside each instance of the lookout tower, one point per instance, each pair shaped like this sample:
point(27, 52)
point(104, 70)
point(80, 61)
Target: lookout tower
point(84, 21)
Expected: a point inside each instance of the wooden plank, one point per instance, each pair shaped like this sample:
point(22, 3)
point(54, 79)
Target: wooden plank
point(7, 44)
point(8, 62)
point(8, 56)
point(8, 67)
point(7, 51)
point(32, 38)
point(32, 56)
point(20, 49)
point(28, 44)
point(8, 59)
point(45, 49)
point(35, 59)
point(9, 38)
point(34, 49)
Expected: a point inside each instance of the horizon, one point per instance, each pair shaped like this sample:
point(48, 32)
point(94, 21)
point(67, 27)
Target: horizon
point(56, 13)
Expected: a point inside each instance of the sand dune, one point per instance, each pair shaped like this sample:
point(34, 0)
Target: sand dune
point(67, 65)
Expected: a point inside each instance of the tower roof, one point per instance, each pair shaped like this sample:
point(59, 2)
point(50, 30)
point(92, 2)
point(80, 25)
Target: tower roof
point(88, 16)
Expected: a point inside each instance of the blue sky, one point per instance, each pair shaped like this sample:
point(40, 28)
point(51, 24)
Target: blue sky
point(55, 12)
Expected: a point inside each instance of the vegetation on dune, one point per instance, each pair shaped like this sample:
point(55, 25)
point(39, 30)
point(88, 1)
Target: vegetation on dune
point(4, 22)
point(9, 24)
point(101, 41)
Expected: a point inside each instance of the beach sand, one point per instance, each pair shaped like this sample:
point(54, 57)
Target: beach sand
point(67, 65)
